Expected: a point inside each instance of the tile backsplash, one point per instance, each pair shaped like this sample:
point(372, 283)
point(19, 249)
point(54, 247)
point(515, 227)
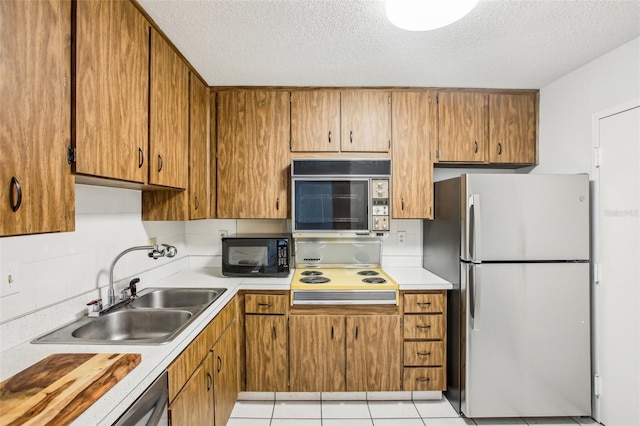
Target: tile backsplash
point(47, 269)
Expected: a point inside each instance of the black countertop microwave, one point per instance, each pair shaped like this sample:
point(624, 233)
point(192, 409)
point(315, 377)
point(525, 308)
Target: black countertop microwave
point(250, 255)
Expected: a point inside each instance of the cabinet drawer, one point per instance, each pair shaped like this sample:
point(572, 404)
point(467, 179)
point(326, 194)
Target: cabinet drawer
point(424, 379)
point(423, 353)
point(426, 303)
point(424, 326)
point(265, 303)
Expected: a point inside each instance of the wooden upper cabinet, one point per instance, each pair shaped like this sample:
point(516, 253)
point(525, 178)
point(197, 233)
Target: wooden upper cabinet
point(111, 104)
point(315, 121)
point(194, 202)
point(414, 132)
point(169, 116)
point(366, 121)
point(198, 200)
point(253, 154)
point(36, 185)
point(512, 128)
point(462, 127)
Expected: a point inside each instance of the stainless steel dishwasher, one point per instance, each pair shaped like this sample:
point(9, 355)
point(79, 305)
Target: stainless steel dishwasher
point(151, 408)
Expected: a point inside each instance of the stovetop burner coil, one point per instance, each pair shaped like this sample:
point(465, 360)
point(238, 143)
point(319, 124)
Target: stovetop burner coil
point(374, 280)
point(314, 280)
point(368, 273)
point(311, 273)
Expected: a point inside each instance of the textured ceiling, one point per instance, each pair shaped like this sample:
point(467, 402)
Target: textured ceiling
point(500, 44)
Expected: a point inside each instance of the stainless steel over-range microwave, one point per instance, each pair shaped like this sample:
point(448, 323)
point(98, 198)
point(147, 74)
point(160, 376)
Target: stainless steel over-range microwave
point(340, 197)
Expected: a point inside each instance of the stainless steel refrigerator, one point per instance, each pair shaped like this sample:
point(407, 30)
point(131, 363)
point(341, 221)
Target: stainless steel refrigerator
point(516, 248)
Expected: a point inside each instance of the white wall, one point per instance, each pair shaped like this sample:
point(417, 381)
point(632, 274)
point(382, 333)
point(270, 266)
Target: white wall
point(568, 104)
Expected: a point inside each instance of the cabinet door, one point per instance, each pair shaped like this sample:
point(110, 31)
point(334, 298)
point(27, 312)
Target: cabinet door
point(512, 129)
point(414, 131)
point(36, 186)
point(198, 149)
point(266, 352)
point(193, 405)
point(169, 116)
point(462, 127)
point(315, 121)
point(374, 347)
point(225, 376)
point(366, 121)
point(111, 111)
point(253, 154)
point(317, 357)
point(192, 203)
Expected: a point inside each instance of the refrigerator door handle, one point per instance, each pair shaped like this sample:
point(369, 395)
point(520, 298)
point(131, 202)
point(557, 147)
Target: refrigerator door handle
point(472, 295)
point(473, 227)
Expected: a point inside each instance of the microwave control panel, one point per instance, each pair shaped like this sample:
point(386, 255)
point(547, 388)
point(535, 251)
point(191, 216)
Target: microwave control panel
point(380, 207)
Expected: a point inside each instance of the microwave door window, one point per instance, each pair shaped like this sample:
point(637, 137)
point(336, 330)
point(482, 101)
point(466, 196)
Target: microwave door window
point(332, 205)
point(248, 256)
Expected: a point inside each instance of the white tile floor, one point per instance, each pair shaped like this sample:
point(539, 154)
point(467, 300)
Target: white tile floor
point(268, 409)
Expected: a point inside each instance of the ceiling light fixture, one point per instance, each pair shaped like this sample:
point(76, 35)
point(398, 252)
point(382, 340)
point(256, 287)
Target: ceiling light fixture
point(423, 15)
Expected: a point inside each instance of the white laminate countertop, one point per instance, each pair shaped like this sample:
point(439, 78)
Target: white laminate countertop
point(156, 358)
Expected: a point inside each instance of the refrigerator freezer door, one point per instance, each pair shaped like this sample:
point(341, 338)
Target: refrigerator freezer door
point(525, 217)
point(527, 343)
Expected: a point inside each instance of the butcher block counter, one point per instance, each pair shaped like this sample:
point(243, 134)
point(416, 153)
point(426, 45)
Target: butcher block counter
point(154, 359)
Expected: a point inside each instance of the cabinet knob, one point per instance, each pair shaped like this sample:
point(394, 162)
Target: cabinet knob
point(402, 203)
point(278, 203)
point(15, 185)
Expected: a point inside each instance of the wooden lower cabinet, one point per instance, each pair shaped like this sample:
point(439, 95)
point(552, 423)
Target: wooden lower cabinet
point(317, 354)
point(425, 353)
point(331, 353)
point(194, 403)
point(266, 353)
point(225, 375)
point(203, 379)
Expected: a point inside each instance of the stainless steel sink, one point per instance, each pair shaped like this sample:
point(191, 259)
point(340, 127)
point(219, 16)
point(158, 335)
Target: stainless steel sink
point(155, 317)
point(134, 325)
point(176, 298)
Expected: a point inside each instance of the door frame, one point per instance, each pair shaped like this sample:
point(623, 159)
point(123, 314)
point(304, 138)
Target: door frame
point(595, 253)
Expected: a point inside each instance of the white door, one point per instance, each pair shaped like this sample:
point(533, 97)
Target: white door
point(617, 253)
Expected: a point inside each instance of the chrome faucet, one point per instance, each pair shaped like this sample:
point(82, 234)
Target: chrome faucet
point(155, 252)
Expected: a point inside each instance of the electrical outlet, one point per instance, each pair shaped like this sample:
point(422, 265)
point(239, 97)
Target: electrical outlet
point(222, 233)
point(402, 238)
point(153, 241)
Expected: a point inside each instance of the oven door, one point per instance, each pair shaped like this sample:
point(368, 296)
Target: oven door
point(331, 205)
point(151, 409)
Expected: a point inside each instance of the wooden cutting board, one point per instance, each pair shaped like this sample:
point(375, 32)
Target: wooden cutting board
point(60, 387)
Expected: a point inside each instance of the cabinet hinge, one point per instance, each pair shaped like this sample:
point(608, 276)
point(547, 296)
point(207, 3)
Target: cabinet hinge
point(389, 99)
point(437, 153)
point(596, 385)
point(71, 154)
point(596, 273)
point(437, 99)
point(64, 81)
point(596, 157)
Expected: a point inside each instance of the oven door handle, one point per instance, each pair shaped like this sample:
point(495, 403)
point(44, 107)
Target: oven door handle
point(158, 410)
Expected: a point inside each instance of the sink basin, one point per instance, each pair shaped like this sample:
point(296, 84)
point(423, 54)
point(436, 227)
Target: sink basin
point(155, 317)
point(133, 325)
point(176, 298)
